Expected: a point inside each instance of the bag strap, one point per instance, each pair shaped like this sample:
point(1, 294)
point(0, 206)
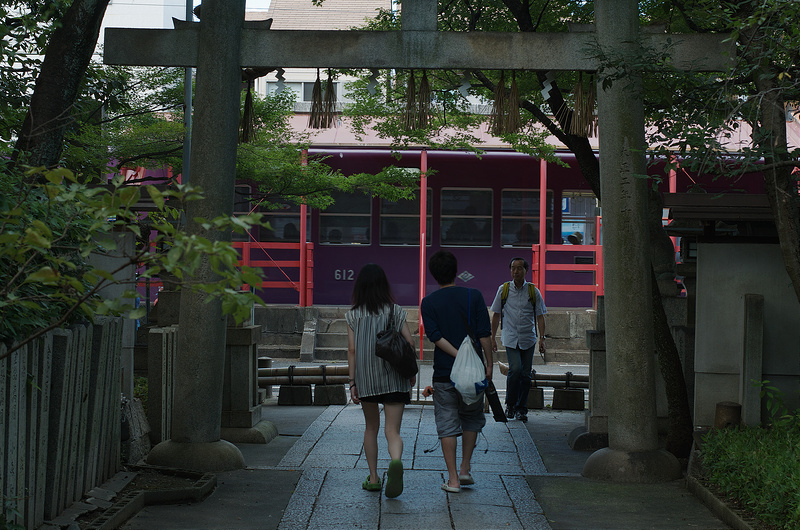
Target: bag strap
point(390, 322)
point(467, 325)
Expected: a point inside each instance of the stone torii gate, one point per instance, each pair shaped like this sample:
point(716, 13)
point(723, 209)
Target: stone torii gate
point(219, 46)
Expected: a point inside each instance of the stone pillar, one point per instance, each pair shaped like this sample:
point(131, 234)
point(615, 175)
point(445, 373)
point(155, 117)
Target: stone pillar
point(200, 361)
point(633, 454)
point(241, 405)
point(752, 359)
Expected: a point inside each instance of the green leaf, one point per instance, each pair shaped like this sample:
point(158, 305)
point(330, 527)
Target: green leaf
point(129, 194)
point(156, 196)
point(45, 275)
point(36, 239)
point(173, 255)
point(137, 313)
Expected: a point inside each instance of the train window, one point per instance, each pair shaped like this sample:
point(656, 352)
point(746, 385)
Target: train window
point(347, 220)
point(519, 226)
point(466, 217)
point(284, 223)
point(579, 211)
point(400, 221)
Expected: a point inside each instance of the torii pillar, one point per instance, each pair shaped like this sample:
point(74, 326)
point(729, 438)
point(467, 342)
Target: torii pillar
point(200, 361)
point(633, 454)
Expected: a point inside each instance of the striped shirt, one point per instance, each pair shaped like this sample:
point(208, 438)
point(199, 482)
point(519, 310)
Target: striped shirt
point(374, 376)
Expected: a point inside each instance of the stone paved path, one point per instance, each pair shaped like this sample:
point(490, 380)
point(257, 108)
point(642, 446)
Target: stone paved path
point(329, 494)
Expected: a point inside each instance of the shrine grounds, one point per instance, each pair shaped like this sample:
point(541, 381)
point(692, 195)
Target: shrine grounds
point(526, 477)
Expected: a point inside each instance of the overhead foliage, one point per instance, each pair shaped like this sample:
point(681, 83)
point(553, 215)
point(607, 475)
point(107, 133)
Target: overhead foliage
point(53, 226)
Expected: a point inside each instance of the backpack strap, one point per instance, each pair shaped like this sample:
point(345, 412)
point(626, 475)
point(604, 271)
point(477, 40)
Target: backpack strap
point(503, 298)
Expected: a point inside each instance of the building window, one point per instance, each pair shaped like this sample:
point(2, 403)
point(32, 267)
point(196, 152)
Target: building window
point(579, 212)
point(466, 217)
point(519, 226)
point(308, 90)
point(346, 221)
point(400, 221)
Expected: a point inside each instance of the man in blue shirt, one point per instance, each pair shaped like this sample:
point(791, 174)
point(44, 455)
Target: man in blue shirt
point(518, 307)
point(446, 313)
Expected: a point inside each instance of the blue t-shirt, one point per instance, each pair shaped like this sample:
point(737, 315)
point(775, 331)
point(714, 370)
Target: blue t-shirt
point(443, 315)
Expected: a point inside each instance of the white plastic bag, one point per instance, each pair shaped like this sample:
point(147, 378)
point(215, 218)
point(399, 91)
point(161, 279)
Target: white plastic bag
point(468, 374)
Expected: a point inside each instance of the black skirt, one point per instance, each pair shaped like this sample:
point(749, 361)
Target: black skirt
point(390, 397)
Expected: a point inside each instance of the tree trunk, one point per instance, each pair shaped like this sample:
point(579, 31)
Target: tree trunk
point(679, 431)
point(769, 134)
point(69, 51)
point(679, 434)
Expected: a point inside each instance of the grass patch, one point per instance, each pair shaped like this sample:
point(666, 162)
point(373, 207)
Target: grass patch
point(759, 468)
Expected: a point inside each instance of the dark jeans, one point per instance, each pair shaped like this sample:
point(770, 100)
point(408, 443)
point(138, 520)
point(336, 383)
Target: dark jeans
point(518, 383)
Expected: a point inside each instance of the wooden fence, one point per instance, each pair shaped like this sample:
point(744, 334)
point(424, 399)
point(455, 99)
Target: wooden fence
point(60, 414)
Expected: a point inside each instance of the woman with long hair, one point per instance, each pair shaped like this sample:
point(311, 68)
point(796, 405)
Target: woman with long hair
point(372, 380)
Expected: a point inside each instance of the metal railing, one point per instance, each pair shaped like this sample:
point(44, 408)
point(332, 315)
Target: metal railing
point(306, 292)
point(540, 266)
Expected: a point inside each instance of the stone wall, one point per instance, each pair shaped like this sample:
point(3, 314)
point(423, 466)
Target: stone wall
point(738, 337)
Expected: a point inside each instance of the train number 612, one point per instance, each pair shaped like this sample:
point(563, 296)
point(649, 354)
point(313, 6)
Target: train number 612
point(344, 274)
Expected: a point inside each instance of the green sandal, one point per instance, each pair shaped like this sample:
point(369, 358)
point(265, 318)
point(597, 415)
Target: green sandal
point(371, 486)
point(394, 479)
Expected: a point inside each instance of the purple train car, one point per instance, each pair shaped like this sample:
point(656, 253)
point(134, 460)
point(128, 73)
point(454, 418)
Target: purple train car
point(486, 210)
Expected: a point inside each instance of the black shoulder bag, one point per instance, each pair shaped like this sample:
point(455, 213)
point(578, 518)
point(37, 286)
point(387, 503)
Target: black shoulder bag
point(392, 347)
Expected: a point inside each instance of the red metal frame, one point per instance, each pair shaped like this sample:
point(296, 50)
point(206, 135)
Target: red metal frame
point(306, 272)
point(540, 268)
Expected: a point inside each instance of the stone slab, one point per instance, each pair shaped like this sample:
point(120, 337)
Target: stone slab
point(614, 506)
point(568, 399)
point(294, 395)
point(329, 395)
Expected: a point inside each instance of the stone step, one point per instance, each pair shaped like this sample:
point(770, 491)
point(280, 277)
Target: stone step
point(322, 353)
point(339, 325)
point(338, 312)
point(281, 339)
point(284, 326)
point(551, 357)
point(331, 340)
point(278, 351)
point(326, 325)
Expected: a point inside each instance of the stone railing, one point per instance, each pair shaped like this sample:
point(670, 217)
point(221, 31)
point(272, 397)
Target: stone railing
point(60, 417)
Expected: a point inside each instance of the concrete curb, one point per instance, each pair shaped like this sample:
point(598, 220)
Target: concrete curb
point(716, 505)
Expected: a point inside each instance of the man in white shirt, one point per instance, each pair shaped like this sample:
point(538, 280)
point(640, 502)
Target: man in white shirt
point(518, 309)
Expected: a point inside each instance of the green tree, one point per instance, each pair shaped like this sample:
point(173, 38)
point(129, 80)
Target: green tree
point(691, 115)
point(694, 113)
point(549, 103)
point(51, 224)
point(94, 120)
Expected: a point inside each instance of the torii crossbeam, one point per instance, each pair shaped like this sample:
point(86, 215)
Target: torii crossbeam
point(219, 46)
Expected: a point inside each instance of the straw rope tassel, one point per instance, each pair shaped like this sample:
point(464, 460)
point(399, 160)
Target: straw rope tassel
point(248, 118)
point(583, 118)
point(329, 106)
point(513, 121)
point(314, 117)
point(424, 106)
point(410, 115)
point(497, 117)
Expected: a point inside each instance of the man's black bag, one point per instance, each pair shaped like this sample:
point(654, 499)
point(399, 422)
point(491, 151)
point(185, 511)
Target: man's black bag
point(494, 404)
point(392, 347)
